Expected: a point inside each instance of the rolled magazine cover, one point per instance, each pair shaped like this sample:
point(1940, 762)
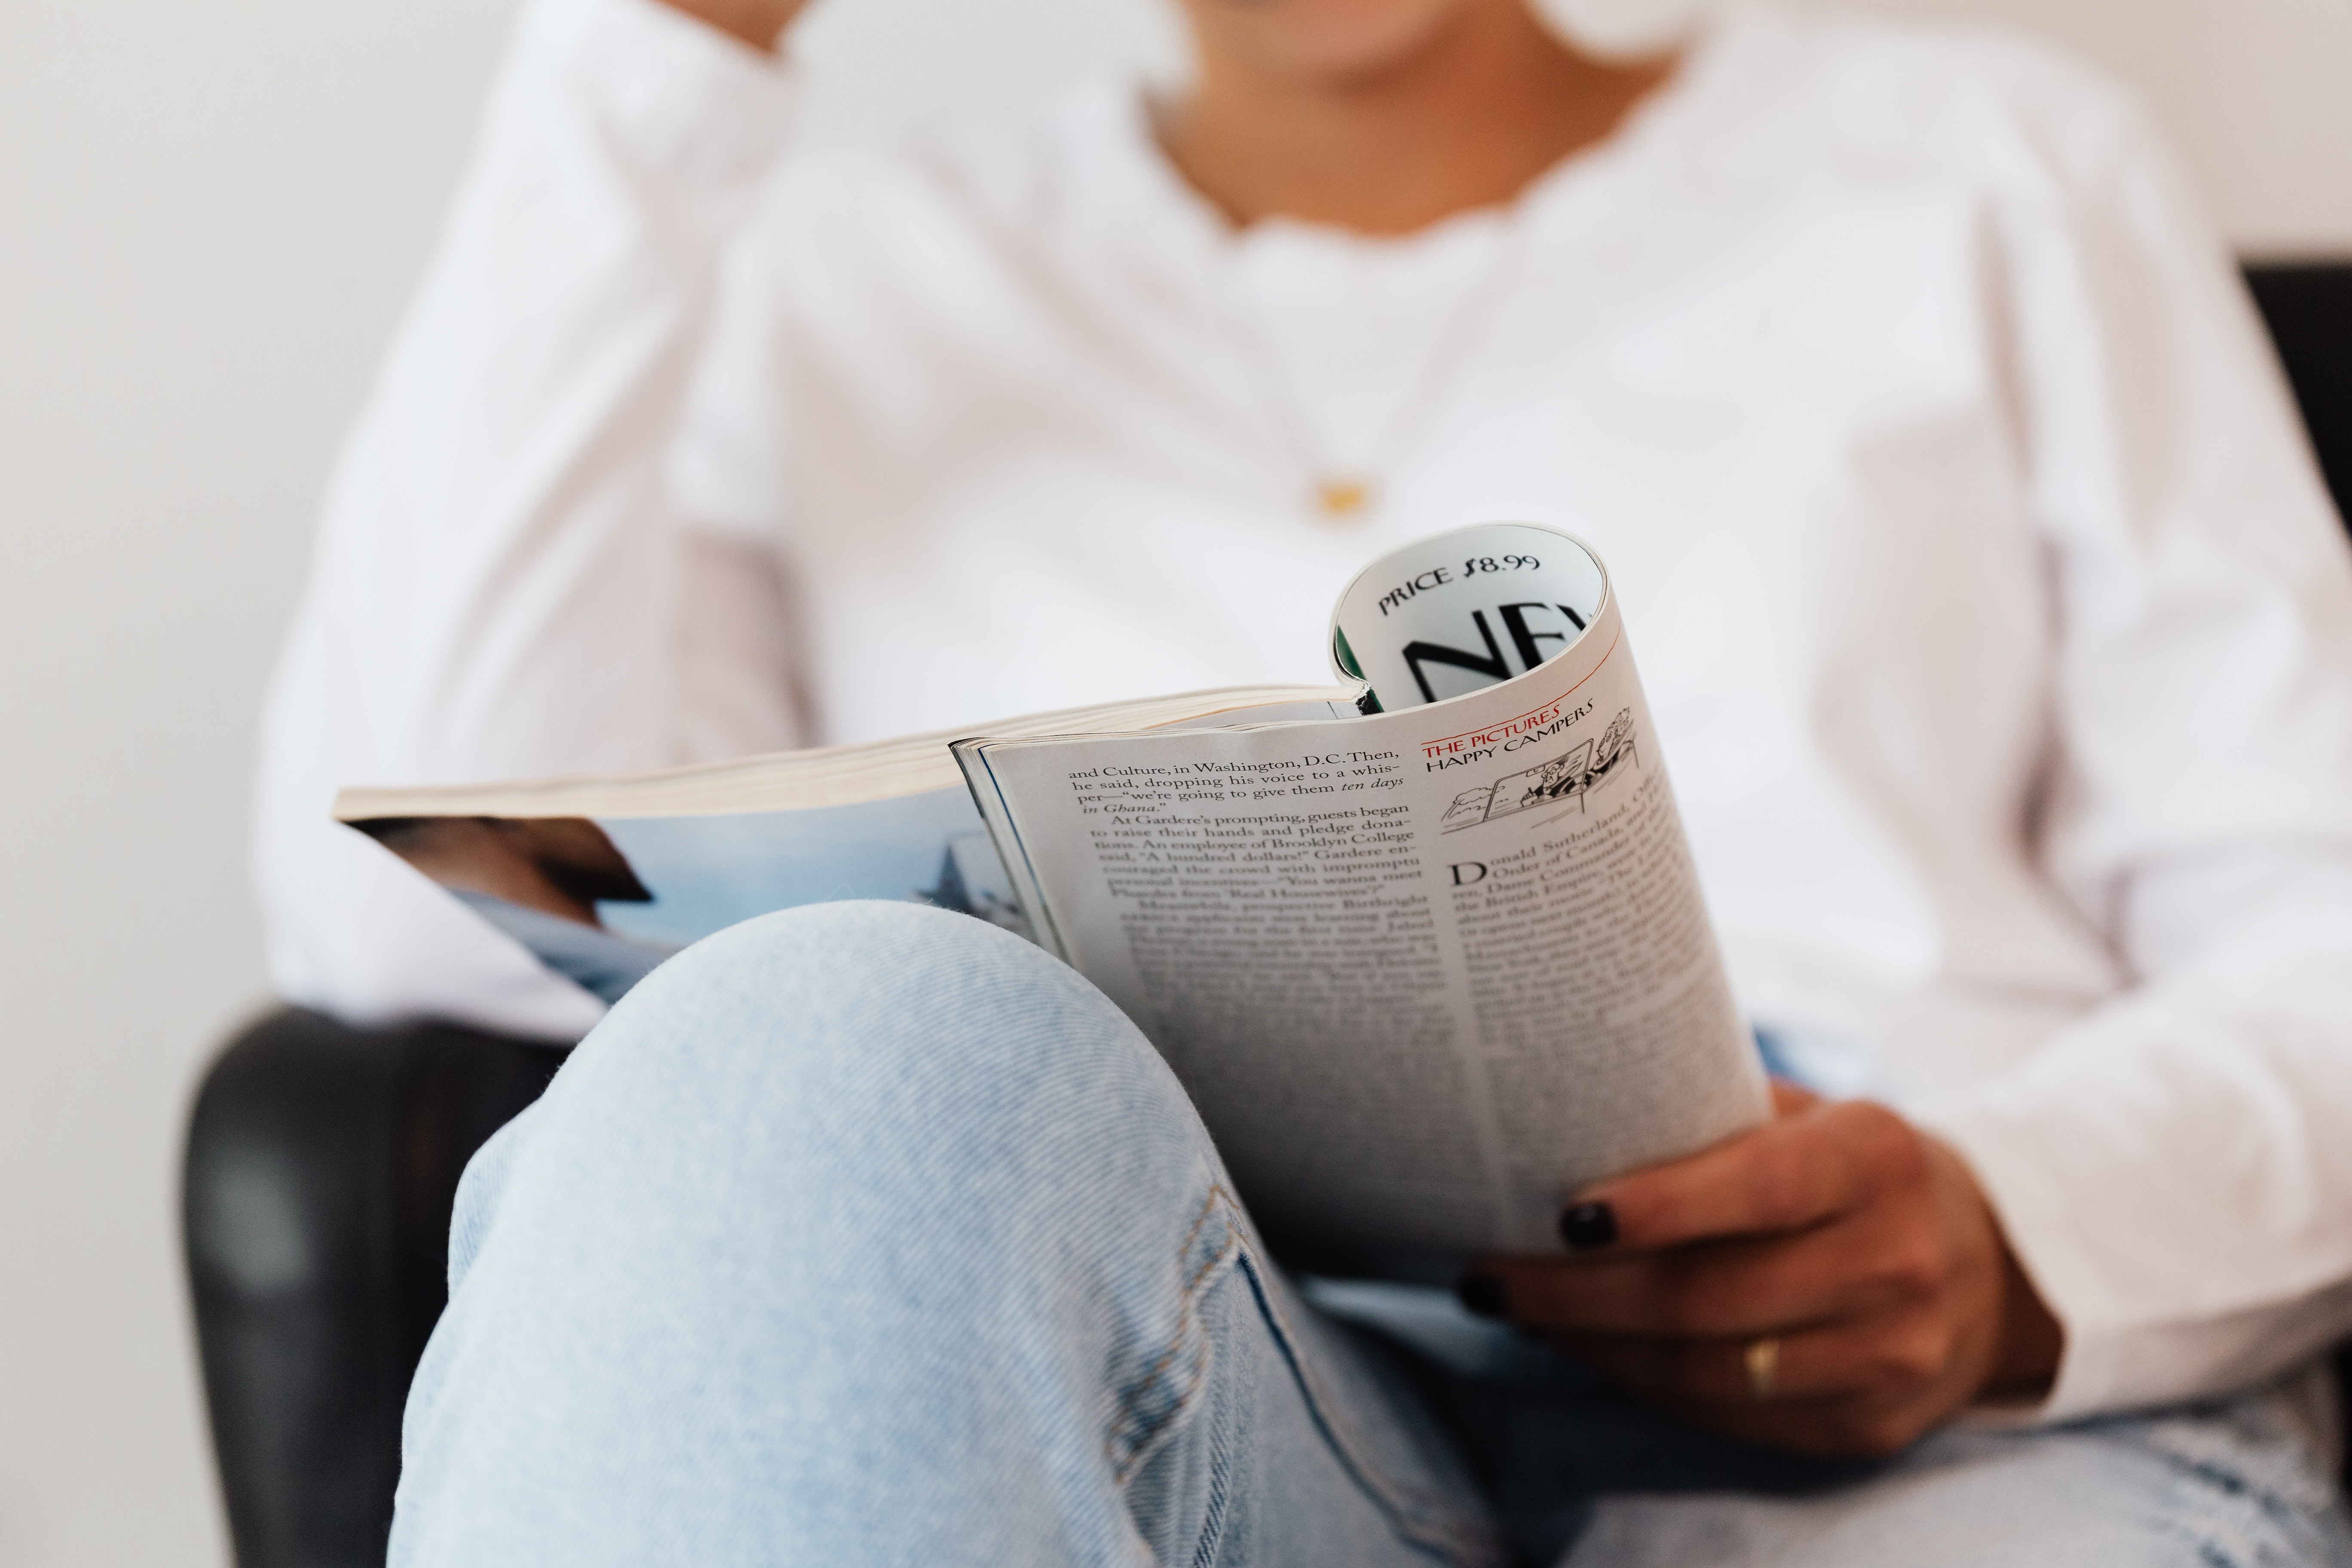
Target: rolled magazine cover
point(1426, 972)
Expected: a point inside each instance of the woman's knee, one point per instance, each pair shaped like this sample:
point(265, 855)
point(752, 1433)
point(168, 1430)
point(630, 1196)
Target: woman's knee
point(845, 995)
point(874, 1049)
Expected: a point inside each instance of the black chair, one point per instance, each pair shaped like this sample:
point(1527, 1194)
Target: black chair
point(2308, 308)
point(322, 1161)
point(2307, 305)
point(321, 1165)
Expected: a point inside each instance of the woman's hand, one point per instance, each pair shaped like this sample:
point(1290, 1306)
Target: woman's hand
point(1833, 1281)
point(759, 23)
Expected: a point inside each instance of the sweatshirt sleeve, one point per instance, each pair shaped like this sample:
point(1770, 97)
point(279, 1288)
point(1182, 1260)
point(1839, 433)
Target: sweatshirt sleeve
point(498, 577)
point(2174, 1169)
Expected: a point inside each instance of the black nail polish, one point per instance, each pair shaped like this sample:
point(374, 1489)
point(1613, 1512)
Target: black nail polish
point(1481, 1295)
point(1588, 1225)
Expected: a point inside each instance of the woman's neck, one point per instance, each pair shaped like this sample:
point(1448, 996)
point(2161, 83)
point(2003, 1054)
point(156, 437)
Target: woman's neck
point(1476, 113)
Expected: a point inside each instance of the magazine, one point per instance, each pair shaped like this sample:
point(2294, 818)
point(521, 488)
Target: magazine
point(1427, 950)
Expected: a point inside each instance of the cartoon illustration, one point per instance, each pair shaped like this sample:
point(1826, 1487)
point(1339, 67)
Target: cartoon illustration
point(1569, 778)
point(1469, 808)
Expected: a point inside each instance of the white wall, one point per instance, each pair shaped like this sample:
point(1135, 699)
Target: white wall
point(209, 211)
point(2252, 91)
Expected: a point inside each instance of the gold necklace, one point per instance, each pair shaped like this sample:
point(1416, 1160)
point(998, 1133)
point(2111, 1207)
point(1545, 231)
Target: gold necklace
point(1341, 492)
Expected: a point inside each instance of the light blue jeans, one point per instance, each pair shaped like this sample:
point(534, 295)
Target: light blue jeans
point(868, 1234)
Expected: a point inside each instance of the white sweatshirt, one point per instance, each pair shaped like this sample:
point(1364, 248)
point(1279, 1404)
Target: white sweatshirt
point(1998, 630)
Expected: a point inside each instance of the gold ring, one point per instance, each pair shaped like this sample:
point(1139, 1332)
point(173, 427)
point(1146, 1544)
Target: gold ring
point(1763, 1360)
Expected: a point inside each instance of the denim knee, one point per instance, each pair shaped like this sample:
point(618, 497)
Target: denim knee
point(889, 1057)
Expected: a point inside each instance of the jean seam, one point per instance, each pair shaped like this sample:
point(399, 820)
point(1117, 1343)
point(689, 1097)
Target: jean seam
point(2227, 1497)
point(1420, 1522)
point(1140, 1435)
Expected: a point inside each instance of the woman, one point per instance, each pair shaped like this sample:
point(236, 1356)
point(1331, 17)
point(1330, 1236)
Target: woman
point(1991, 610)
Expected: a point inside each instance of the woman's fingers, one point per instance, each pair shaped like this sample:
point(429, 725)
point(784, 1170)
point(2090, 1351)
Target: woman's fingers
point(1789, 1174)
point(1880, 1360)
point(1833, 1282)
point(1721, 1289)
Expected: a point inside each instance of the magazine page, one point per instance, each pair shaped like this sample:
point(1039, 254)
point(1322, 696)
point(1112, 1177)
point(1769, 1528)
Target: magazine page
point(1427, 972)
point(602, 878)
point(824, 775)
point(602, 900)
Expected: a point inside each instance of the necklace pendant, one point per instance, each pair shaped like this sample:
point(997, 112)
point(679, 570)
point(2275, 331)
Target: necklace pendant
point(1339, 500)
